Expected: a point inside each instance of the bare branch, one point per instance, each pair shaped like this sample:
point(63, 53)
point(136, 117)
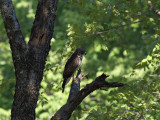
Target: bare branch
point(153, 8)
point(66, 110)
point(75, 87)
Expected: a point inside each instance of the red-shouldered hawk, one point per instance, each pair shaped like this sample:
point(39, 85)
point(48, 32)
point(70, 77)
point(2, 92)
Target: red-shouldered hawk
point(72, 65)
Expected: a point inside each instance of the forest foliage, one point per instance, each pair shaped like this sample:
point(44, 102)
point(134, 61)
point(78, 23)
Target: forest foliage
point(121, 38)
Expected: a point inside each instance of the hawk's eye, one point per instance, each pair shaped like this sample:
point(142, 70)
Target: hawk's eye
point(83, 52)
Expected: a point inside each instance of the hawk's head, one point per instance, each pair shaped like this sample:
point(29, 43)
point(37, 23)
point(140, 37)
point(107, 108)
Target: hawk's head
point(80, 51)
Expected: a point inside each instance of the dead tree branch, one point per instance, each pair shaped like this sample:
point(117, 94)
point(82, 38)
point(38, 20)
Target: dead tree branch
point(66, 110)
point(75, 87)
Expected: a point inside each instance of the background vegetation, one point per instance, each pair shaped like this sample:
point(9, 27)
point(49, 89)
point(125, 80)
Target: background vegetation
point(121, 38)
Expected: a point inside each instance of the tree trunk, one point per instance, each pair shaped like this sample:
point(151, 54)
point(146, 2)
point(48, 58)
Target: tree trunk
point(29, 60)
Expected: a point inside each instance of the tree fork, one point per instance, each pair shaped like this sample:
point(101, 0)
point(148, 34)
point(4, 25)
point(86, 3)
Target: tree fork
point(29, 60)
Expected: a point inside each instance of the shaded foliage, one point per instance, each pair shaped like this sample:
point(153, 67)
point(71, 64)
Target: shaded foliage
point(121, 38)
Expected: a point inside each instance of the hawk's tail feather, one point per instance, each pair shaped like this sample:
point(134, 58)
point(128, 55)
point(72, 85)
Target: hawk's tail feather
point(63, 90)
point(63, 86)
point(65, 81)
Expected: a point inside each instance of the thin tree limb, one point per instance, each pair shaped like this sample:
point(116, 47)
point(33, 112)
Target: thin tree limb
point(153, 8)
point(119, 26)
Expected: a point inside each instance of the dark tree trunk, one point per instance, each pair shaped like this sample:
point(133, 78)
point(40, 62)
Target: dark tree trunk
point(29, 60)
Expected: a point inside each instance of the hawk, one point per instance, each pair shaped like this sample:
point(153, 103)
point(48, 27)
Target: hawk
point(73, 63)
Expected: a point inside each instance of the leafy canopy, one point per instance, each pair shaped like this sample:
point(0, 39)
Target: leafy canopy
point(121, 38)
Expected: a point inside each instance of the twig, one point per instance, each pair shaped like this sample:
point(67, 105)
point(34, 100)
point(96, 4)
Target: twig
point(153, 8)
point(53, 67)
point(119, 26)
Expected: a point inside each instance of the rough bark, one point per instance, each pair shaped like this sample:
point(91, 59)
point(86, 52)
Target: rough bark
point(75, 86)
point(65, 112)
point(29, 60)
